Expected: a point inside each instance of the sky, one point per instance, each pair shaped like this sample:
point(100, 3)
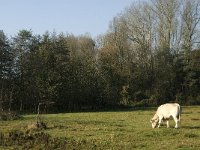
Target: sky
point(68, 16)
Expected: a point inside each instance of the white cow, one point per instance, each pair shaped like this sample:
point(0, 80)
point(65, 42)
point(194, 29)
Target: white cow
point(164, 113)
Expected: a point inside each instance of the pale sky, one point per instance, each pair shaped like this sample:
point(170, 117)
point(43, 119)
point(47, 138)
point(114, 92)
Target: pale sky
point(68, 16)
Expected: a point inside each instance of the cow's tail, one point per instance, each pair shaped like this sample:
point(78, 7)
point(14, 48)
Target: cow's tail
point(179, 113)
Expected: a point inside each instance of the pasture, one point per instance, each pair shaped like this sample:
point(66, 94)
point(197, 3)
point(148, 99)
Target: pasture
point(129, 129)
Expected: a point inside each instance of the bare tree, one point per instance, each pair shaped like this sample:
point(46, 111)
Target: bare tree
point(191, 18)
point(167, 23)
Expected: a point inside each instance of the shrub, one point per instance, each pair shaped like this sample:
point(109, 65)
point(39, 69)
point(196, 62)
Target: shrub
point(9, 115)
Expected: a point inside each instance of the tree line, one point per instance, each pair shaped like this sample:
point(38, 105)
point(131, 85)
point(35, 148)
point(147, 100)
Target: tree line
point(150, 55)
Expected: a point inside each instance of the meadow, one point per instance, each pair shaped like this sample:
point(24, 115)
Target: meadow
point(130, 129)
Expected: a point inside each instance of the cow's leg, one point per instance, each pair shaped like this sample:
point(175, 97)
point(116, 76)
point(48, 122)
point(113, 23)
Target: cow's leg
point(160, 120)
point(176, 126)
point(167, 124)
point(176, 121)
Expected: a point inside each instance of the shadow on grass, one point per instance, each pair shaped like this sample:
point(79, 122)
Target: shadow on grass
point(190, 127)
point(195, 119)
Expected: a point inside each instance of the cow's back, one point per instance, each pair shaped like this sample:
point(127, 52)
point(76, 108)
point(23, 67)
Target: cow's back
point(169, 109)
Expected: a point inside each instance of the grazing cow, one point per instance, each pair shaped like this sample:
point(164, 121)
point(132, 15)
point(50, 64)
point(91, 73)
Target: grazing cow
point(164, 113)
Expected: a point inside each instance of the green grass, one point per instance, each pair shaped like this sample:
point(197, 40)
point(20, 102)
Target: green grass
point(117, 130)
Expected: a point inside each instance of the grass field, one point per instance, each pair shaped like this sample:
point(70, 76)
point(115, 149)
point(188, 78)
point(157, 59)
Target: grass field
point(115, 130)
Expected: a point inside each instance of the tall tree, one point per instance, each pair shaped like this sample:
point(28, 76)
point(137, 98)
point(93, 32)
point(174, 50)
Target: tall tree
point(22, 45)
point(6, 78)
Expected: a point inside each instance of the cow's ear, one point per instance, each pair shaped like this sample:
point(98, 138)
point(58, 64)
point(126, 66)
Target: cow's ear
point(151, 120)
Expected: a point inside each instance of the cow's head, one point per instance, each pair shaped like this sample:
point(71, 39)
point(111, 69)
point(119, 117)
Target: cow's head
point(154, 121)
